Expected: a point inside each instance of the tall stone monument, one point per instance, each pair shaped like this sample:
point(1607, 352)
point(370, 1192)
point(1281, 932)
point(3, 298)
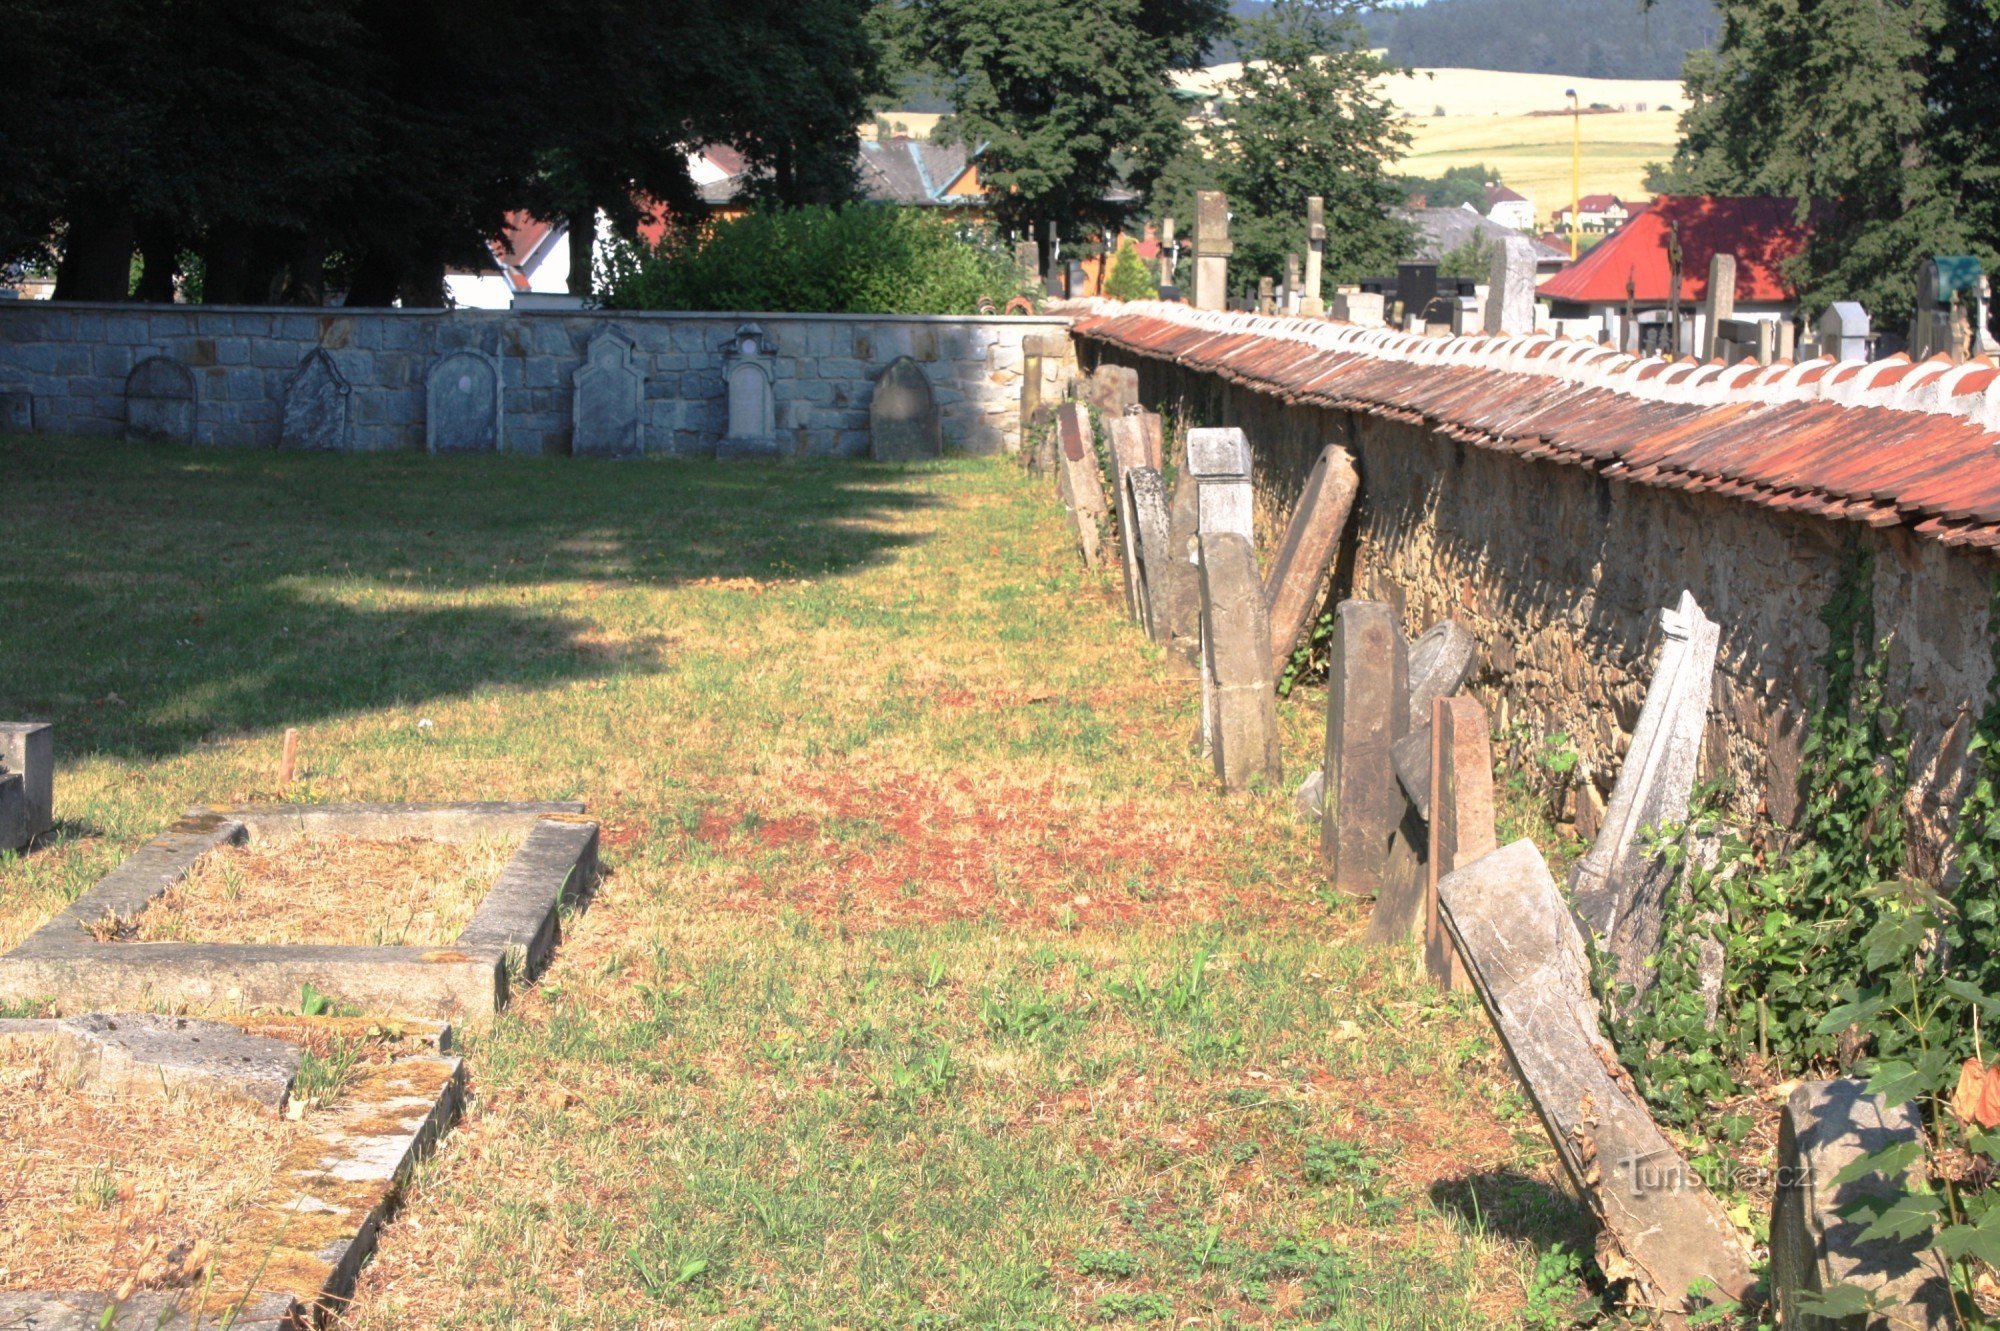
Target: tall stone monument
point(1721, 302)
point(1310, 304)
point(1510, 295)
point(1212, 249)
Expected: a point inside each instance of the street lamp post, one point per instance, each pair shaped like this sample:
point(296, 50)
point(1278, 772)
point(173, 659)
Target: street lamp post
point(1575, 173)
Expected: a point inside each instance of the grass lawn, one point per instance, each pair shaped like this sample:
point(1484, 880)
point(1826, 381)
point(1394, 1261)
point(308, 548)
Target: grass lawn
point(931, 982)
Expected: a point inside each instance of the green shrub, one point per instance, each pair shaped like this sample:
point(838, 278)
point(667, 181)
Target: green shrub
point(860, 259)
point(1130, 278)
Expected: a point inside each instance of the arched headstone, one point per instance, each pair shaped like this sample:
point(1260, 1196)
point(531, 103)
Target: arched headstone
point(753, 423)
point(903, 416)
point(316, 398)
point(462, 404)
point(159, 401)
point(608, 412)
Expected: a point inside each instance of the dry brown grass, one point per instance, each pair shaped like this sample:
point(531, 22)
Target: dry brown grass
point(136, 1193)
point(333, 890)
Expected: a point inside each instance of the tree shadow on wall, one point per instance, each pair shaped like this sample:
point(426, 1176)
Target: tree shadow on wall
point(158, 596)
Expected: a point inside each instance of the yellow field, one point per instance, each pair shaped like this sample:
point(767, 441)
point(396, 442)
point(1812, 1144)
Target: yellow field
point(1532, 153)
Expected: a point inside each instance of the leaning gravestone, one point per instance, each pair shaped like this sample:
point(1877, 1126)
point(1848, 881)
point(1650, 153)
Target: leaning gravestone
point(1177, 609)
point(462, 404)
point(1367, 711)
point(1620, 889)
point(1662, 1228)
point(1462, 824)
point(1127, 450)
point(1236, 632)
point(903, 416)
point(316, 398)
point(608, 402)
point(1311, 540)
point(1441, 661)
point(160, 401)
point(1078, 480)
point(1149, 552)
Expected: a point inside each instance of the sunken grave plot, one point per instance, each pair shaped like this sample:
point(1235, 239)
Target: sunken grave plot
point(412, 910)
point(166, 1172)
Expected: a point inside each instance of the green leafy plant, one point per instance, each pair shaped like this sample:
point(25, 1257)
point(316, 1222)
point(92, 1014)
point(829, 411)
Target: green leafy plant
point(1113, 1262)
point(1135, 1308)
point(1130, 278)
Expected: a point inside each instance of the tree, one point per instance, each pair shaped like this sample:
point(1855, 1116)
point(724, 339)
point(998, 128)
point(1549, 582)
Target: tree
point(1065, 99)
point(1305, 117)
point(1473, 258)
point(1459, 185)
point(1130, 278)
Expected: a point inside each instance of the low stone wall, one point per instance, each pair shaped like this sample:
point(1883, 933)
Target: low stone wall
point(74, 361)
point(1562, 573)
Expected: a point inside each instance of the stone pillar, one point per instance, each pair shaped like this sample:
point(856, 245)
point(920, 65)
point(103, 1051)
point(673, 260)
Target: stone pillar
point(1167, 253)
point(1310, 304)
point(1236, 678)
point(1311, 540)
point(1028, 258)
point(1266, 301)
point(1721, 303)
point(1461, 820)
point(1291, 305)
point(27, 781)
point(1219, 461)
point(1367, 711)
point(1510, 293)
point(1212, 249)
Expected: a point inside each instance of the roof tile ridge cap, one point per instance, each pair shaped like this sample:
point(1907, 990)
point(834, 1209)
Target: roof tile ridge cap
point(1938, 394)
point(1696, 386)
point(1983, 409)
point(1613, 371)
point(1787, 383)
point(1919, 386)
point(1858, 389)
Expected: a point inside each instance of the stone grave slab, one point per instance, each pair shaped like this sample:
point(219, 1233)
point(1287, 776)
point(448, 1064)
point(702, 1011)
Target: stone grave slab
point(1826, 1126)
point(1112, 389)
point(1177, 610)
point(1219, 461)
point(1312, 539)
point(608, 400)
point(160, 401)
point(1367, 711)
point(27, 781)
point(17, 412)
point(316, 406)
point(903, 416)
point(1441, 662)
point(1150, 551)
point(292, 1250)
point(1620, 890)
point(462, 404)
point(1462, 826)
point(1240, 702)
point(1127, 450)
point(1153, 434)
point(79, 960)
point(1078, 480)
point(1662, 1229)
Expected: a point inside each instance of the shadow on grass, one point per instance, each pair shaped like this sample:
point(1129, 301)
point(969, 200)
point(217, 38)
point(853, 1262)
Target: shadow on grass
point(155, 596)
point(1511, 1204)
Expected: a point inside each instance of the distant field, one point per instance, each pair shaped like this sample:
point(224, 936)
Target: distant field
point(1532, 153)
point(1490, 92)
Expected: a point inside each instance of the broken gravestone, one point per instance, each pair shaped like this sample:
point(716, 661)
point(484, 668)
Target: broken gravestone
point(1620, 889)
point(1367, 711)
point(1078, 480)
point(903, 415)
point(1461, 821)
point(1441, 661)
point(1311, 540)
point(1662, 1229)
point(608, 400)
point(160, 402)
point(1816, 1241)
point(1239, 699)
point(316, 401)
point(1147, 553)
point(27, 782)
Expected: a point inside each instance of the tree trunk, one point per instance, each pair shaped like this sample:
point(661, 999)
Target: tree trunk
point(160, 253)
point(582, 248)
point(423, 281)
point(306, 270)
point(97, 255)
point(225, 265)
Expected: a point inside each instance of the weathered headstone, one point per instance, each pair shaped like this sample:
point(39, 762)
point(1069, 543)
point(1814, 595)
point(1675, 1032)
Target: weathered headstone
point(1266, 297)
point(1364, 308)
point(1153, 436)
point(1461, 821)
point(903, 415)
point(1310, 303)
point(1441, 661)
point(1510, 293)
point(1146, 501)
point(1077, 479)
point(1662, 1229)
point(1242, 704)
point(1212, 248)
point(17, 412)
point(1112, 389)
point(27, 781)
point(1127, 451)
point(1167, 248)
point(749, 374)
point(1843, 331)
point(1177, 595)
point(1721, 302)
point(1039, 356)
point(1411, 758)
point(1219, 460)
point(1312, 538)
point(1028, 258)
point(1816, 1239)
point(1367, 711)
point(316, 400)
point(1620, 890)
point(462, 404)
point(608, 400)
point(160, 401)
point(1290, 302)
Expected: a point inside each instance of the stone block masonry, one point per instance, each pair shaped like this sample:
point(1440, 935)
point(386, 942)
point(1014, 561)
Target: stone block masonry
point(73, 362)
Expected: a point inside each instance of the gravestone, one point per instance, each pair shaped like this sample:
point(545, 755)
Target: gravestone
point(1112, 390)
point(1510, 293)
point(160, 401)
point(1146, 500)
point(1212, 248)
point(1367, 711)
point(1219, 461)
point(1815, 1239)
point(1364, 308)
point(1078, 480)
point(753, 414)
point(316, 406)
point(1153, 434)
point(1310, 303)
point(462, 404)
point(17, 412)
point(1238, 693)
point(1266, 297)
point(1177, 609)
point(27, 781)
point(1127, 451)
point(1620, 890)
point(1721, 302)
point(1661, 1227)
point(1168, 248)
point(1312, 538)
point(1461, 824)
point(1441, 661)
point(1843, 331)
point(903, 416)
point(608, 400)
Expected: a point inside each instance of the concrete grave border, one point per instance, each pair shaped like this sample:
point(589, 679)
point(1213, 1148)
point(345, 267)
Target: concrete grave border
point(511, 934)
point(324, 1210)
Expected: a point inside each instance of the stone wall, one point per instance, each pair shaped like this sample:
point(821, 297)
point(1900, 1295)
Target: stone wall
point(1561, 574)
point(74, 361)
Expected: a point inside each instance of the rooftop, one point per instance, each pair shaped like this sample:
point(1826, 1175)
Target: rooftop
point(1760, 230)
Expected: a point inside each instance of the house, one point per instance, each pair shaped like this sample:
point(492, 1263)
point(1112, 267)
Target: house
point(1598, 214)
point(529, 257)
point(1442, 230)
point(1508, 208)
point(1761, 231)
